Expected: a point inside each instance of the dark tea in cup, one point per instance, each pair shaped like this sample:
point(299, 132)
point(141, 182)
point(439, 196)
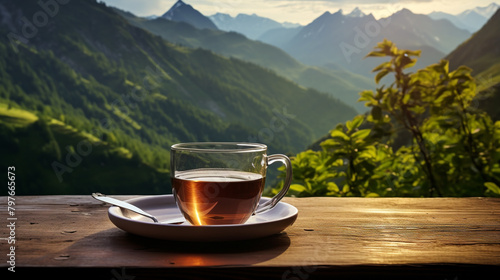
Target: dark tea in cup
point(219, 183)
point(215, 197)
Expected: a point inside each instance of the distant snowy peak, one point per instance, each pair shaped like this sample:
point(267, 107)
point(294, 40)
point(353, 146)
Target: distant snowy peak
point(182, 12)
point(170, 14)
point(220, 17)
point(252, 26)
point(487, 11)
point(178, 4)
point(356, 12)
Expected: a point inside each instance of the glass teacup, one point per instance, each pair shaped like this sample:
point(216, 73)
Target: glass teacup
point(217, 183)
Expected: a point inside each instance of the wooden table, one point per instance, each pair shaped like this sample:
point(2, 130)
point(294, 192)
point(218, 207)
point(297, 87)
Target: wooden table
point(400, 238)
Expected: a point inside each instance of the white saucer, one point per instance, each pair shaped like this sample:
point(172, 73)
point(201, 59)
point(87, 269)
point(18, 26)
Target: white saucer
point(164, 208)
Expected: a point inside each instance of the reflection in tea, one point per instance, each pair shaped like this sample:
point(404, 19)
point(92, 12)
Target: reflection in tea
point(217, 196)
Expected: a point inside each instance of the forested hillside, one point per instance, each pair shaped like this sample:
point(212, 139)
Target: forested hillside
point(89, 69)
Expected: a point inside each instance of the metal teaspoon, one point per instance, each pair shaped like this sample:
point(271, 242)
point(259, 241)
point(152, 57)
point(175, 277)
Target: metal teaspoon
point(128, 206)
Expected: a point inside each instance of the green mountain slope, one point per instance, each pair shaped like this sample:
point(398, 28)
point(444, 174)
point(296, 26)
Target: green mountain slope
point(90, 69)
point(53, 158)
point(339, 83)
point(481, 52)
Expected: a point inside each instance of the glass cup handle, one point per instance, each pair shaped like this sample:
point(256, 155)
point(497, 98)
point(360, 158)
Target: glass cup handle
point(268, 205)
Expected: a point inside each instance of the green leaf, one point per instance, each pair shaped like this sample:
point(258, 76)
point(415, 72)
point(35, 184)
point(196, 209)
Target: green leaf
point(441, 67)
point(418, 109)
point(357, 121)
point(372, 194)
point(345, 189)
point(332, 144)
point(380, 75)
point(331, 186)
point(409, 63)
point(339, 134)
point(385, 65)
point(361, 134)
point(385, 165)
point(492, 187)
point(404, 60)
point(367, 96)
point(462, 71)
point(348, 125)
point(413, 53)
point(375, 53)
point(298, 188)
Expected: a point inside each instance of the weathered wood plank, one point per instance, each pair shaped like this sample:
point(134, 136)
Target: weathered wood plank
point(74, 231)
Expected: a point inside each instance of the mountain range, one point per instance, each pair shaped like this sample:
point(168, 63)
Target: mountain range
point(339, 83)
point(332, 43)
point(338, 39)
point(253, 26)
point(471, 20)
point(89, 74)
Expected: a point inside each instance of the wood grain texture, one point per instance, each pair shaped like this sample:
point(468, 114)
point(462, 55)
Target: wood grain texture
point(332, 236)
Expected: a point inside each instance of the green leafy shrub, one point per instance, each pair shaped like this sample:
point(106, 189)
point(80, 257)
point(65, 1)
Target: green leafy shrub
point(423, 136)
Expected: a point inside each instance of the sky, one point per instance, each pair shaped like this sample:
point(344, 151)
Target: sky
point(298, 11)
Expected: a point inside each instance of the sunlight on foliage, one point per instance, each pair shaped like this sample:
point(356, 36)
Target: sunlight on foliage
point(422, 137)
